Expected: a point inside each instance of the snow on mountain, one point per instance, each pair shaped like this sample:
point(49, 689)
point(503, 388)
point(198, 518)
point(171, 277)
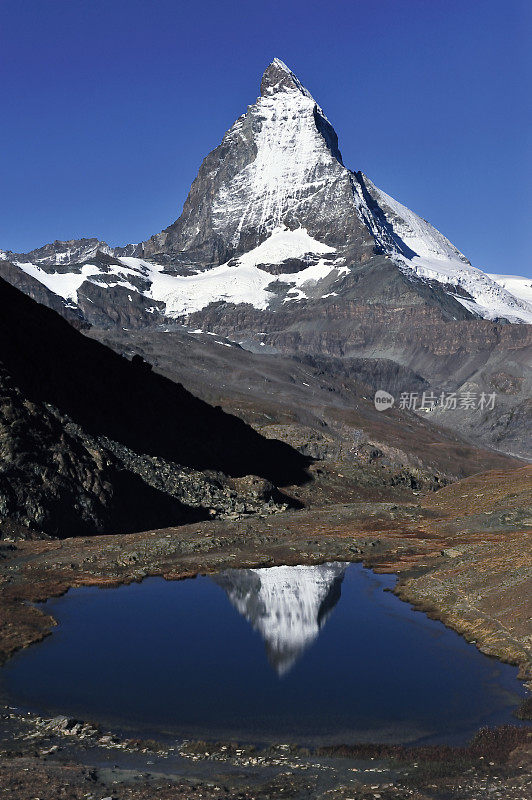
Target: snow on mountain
point(489, 299)
point(64, 284)
point(429, 255)
point(416, 233)
point(240, 281)
point(292, 161)
point(243, 281)
point(274, 191)
point(287, 605)
point(515, 284)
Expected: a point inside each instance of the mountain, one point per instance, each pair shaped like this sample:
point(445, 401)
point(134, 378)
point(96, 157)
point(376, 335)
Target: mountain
point(288, 606)
point(321, 405)
point(275, 199)
point(281, 246)
point(93, 443)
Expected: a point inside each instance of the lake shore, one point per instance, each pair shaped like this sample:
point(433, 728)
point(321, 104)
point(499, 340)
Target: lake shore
point(462, 555)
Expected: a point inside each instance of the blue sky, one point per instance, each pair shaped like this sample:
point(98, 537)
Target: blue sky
point(108, 108)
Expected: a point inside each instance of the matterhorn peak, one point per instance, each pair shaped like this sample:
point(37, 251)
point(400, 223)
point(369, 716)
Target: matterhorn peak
point(278, 77)
point(275, 198)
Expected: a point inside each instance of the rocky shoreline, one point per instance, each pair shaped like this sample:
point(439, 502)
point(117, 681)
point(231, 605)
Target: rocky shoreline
point(44, 755)
point(446, 550)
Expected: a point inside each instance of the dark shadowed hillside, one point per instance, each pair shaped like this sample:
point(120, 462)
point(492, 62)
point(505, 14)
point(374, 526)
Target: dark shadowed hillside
point(91, 442)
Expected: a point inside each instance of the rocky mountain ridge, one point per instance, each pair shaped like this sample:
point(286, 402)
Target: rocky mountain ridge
point(282, 249)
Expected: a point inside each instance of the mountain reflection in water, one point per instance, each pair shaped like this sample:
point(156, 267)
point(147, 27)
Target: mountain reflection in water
point(287, 605)
point(177, 657)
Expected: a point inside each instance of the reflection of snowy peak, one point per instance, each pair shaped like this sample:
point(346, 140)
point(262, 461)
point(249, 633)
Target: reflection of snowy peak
point(273, 220)
point(287, 605)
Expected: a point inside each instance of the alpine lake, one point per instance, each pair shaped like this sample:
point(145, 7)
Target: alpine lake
point(307, 654)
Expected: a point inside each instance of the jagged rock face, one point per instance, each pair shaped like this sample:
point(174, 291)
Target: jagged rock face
point(61, 255)
point(287, 605)
point(278, 165)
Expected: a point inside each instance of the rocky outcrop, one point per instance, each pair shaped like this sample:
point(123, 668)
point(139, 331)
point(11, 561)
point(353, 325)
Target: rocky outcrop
point(57, 479)
point(61, 255)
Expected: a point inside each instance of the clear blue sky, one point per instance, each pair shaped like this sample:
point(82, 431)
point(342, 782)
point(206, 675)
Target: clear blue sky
point(108, 108)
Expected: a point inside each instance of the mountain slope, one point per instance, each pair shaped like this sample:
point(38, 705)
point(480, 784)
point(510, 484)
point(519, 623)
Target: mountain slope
point(91, 442)
point(321, 405)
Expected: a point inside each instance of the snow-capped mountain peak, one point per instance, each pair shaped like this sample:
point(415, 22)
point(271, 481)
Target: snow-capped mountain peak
point(278, 77)
point(275, 219)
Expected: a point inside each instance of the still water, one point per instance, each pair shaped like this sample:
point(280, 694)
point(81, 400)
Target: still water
point(307, 653)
